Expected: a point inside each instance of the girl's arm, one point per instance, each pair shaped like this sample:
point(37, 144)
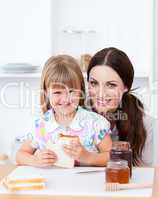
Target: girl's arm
point(42, 158)
point(79, 153)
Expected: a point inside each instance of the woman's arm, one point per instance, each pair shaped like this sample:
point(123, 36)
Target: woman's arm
point(26, 156)
point(79, 153)
point(101, 158)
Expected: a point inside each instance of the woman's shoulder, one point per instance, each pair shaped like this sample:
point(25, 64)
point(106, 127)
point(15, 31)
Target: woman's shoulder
point(148, 122)
point(148, 151)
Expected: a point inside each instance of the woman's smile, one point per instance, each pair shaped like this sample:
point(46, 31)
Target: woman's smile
point(103, 102)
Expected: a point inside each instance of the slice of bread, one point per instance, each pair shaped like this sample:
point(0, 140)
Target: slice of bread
point(19, 179)
point(66, 139)
point(24, 186)
point(24, 178)
point(64, 160)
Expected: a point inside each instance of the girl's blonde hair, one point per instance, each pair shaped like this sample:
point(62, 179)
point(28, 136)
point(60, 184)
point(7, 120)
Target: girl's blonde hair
point(64, 70)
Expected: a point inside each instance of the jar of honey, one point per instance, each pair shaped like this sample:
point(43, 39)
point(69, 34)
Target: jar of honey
point(117, 171)
point(122, 150)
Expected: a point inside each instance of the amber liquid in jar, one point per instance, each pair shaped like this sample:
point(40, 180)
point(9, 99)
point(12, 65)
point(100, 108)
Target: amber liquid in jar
point(117, 171)
point(122, 150)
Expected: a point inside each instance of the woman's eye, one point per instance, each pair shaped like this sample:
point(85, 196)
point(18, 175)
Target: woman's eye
point(111, 85)
point(93, 83)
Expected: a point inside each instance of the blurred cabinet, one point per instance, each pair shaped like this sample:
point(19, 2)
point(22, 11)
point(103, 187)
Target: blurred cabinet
point(32, 30)
point(126, 24)
point(26, 33)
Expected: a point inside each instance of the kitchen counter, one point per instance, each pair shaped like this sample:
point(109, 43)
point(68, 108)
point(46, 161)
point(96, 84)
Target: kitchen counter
point(75, 184)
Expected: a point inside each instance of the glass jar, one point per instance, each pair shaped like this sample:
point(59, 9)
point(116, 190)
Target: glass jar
point(122, 150)
point(15, 147)
point(4, 159)
point(117, 171)
point(16, 144)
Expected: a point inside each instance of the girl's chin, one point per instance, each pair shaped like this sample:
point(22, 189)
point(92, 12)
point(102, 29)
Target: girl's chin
point(65, 111)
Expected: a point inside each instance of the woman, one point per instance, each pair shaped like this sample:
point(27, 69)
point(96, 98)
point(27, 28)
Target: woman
point(110, 76)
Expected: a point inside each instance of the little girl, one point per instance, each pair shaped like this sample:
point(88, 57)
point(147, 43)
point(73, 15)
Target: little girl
point(62, 98)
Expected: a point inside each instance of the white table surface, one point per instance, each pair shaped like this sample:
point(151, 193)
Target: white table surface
point(72, 182)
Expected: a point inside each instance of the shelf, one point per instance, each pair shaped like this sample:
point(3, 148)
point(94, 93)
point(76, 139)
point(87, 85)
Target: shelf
point(24, 75)
point(20, 75)
point(38, 75)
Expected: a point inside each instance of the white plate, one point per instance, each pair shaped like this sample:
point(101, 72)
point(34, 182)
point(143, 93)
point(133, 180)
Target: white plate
point(19, 67)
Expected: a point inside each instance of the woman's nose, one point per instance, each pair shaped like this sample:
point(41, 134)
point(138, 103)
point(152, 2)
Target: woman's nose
point(101, 92)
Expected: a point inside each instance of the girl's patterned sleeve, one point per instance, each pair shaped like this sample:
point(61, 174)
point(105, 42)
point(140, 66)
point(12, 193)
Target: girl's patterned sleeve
point(31, 135)
point(101, 128)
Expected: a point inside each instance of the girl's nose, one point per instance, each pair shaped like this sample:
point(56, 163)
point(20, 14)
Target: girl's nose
point(65, 98)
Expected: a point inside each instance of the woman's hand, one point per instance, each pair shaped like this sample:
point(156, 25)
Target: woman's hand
point(44, 158)
point(77, 151)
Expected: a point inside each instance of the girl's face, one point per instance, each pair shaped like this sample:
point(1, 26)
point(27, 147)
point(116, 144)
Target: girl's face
point(105, 89)
point(64, 100)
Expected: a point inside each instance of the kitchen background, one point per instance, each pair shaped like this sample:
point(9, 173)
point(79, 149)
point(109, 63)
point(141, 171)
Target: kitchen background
point(33, 30)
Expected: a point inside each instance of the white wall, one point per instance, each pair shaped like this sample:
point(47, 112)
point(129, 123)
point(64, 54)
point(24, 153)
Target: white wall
point(19, 102)
point(155, 77)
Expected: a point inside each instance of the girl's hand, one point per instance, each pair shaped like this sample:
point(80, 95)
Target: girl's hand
point(44, 158)
point(76, 151)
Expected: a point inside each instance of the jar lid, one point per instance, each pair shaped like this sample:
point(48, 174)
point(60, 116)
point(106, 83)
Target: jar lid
point(121, 145)
point(117, 163)
point(3, 157)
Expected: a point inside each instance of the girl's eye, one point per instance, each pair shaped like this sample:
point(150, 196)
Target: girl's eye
point(71, 91)
point(57, 92)
point(93, 83)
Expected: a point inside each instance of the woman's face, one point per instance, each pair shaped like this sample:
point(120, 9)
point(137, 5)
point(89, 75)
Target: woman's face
point(105, 89)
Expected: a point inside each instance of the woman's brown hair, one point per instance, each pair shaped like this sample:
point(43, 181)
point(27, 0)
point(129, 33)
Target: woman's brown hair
point(61, 70)
point(132, 129)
